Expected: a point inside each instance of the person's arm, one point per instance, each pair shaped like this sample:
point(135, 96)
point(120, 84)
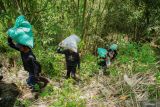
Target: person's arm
point(78, 60)
point(12, 45)
point(60, 50)
point(114, 53)
point(108, 61)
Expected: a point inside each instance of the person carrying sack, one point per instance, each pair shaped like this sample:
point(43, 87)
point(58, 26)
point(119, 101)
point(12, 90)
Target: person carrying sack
point(105, 57)
point(72, 61)
point(68, 47)
point(21, 33)
point(30, 64)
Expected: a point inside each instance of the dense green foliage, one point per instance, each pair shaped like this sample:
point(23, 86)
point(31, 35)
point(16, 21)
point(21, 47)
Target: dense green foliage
point(133, 24)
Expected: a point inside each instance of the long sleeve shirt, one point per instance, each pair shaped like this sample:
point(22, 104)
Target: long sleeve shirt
point(72, 58)
point(29, 60)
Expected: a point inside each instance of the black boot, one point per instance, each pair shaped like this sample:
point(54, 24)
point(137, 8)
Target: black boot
point(68, 74)
point(73, 75)
point(66, 77)
point(44, 82)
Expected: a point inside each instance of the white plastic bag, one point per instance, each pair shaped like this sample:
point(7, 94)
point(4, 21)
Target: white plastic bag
point(70, 43)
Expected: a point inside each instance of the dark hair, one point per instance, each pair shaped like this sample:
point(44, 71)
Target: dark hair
point(20, 45)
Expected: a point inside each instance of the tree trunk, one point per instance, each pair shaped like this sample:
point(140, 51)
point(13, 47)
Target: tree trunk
point(2, 7)
point(84, 15)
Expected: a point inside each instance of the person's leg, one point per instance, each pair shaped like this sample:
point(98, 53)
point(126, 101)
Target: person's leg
point(102, 64)
point(44, 81)
point(68, 71)
point(105, 71)
point(31, 81)
point(73, 72)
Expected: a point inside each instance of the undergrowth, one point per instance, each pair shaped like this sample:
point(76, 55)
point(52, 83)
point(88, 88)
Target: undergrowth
point(132, 58)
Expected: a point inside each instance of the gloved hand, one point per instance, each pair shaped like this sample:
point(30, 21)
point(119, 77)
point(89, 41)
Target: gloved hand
point(60, 44)
point(9, 39)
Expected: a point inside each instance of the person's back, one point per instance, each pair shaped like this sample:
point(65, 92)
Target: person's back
point(72, 61)
point(72, 58)
point(27, 60)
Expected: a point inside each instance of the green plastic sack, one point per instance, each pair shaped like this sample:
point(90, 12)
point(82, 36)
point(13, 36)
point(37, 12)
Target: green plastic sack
point(102, 52)
point(22, 32)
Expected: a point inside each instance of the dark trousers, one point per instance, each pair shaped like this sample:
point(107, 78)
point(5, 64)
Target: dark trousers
point(102, 64)
point(31, 81)
point(71, 70)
